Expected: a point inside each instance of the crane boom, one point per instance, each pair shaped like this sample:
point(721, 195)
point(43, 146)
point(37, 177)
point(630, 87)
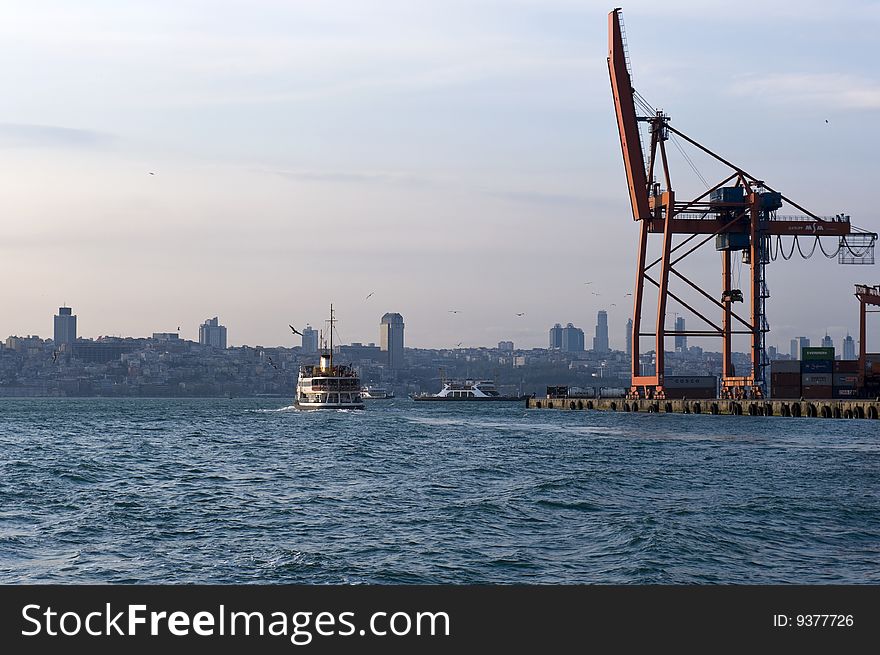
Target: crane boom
point(627, 125)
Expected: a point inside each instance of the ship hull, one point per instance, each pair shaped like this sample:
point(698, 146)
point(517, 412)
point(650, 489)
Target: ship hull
point(316, 406)
point(492, 399)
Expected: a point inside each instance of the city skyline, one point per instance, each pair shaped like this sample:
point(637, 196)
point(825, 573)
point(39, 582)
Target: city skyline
point(66, 323)
point(228, 147)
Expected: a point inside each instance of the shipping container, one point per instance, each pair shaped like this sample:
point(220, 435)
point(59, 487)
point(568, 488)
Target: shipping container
point(690, 381)
point(846, 393)
point(846, 366)
point(845, 379)
point(785, 366)
point(785, 392)
point(817, 352)
point(817, 366)
point(821, 379)
point(817, 391)
point(690, 393)
point(785, 379)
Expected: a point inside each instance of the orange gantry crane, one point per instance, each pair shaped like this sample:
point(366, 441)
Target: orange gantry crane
point(867, 295)
point(740, 212)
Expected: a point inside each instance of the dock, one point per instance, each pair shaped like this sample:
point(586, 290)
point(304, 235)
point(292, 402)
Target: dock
point(814, 408)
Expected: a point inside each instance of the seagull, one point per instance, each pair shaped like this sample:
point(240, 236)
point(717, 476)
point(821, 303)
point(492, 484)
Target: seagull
point(521, 314)
point(459, 344)
point(596, 294)
point(272, 363)
point(454, 311)
point(178, 328)
point(588, 283)
point(626, 294)
point(54, 356)
point(369, 294)
point(614, 304)
point(826, 120)
point(151, 173)
point(295, 331)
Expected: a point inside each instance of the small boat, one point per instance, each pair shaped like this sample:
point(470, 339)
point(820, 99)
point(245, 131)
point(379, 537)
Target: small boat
point(468, 390)
point(328, 385)
point(376, 393)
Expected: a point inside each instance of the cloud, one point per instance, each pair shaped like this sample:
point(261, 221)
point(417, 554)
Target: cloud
point(18, 135)
point(825, 90)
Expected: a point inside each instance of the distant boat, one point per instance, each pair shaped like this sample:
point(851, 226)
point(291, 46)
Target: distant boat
point(376, 393)
point(328, 385)
point(468, 390)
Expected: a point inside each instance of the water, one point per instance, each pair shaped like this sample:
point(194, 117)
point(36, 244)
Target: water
point(246, 491)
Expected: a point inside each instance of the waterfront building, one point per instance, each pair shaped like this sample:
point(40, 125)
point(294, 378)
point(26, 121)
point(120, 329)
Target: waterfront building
point(309, 341)
point(506, 346)
point(849, 348)
point(600, 341)
point(681, 341)
point(65, 327)
point(798, 344)
point(556, 337)
point(572, 339)
point(211, 333)
point(629, 337)
point(391, 339)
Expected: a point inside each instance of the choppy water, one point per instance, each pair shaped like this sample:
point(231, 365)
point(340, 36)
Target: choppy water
point(238, 491)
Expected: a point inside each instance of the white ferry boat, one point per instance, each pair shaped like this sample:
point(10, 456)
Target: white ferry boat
point(328, 385)
point(376, 393)
point(475, 390)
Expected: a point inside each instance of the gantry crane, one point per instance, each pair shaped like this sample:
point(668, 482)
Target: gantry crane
point(867, 295)
point(740, 213)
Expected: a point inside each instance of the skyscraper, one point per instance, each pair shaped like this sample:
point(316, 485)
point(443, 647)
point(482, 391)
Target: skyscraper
point(556, 337)
point(681, 341)
point(797, 345)
point(600, 341)
point(629, 337)
point(849, 348)
point(391, 339)
point(572, 339)
point(309, 341)
point(827, 342)
point(211, 333)
point(65, 327)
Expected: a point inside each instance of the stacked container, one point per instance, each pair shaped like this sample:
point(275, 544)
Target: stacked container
point(690, 386)
point(785, 379)
point(817, 372)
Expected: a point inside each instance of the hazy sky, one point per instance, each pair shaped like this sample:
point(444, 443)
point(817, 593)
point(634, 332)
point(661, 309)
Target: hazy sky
point(443, 154)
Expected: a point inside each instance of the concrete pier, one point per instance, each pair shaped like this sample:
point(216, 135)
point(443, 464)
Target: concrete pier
point(769, 407)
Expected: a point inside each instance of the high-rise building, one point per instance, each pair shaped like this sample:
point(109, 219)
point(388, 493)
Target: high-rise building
point(211, 333)
point(629, 337)
point(771, 353)
point(827, 342)
point(572, 339)
point(681, 341)
point(309, 341)
point(391, 339)
point(600, 341)
point(797, 345)
point(65, 327)
point(849, 348)
point(556, 337)
point(506, 346)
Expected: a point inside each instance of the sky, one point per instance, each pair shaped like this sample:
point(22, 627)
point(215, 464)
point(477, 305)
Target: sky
point(439, 154)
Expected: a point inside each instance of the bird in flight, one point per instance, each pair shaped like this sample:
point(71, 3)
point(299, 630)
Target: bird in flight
point(151, 173)
point(520, 313)
point(826, 120)
point(614, 304)
point(459, 344)
point(626, 294)
point(54, 356)
point(295, 331)
point(271, 363)
point(596, 294)
point(454, 311)
point(369, 294)
point(178, 328)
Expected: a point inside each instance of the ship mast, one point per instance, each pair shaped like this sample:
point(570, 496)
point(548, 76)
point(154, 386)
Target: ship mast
point(332, 320)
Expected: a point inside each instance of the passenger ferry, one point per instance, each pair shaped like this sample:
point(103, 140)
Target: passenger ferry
point(328, 385)
point(376, 393)
point(475, 390)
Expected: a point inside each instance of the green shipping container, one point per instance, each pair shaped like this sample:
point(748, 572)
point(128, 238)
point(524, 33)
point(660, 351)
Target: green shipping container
point(814, 353)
